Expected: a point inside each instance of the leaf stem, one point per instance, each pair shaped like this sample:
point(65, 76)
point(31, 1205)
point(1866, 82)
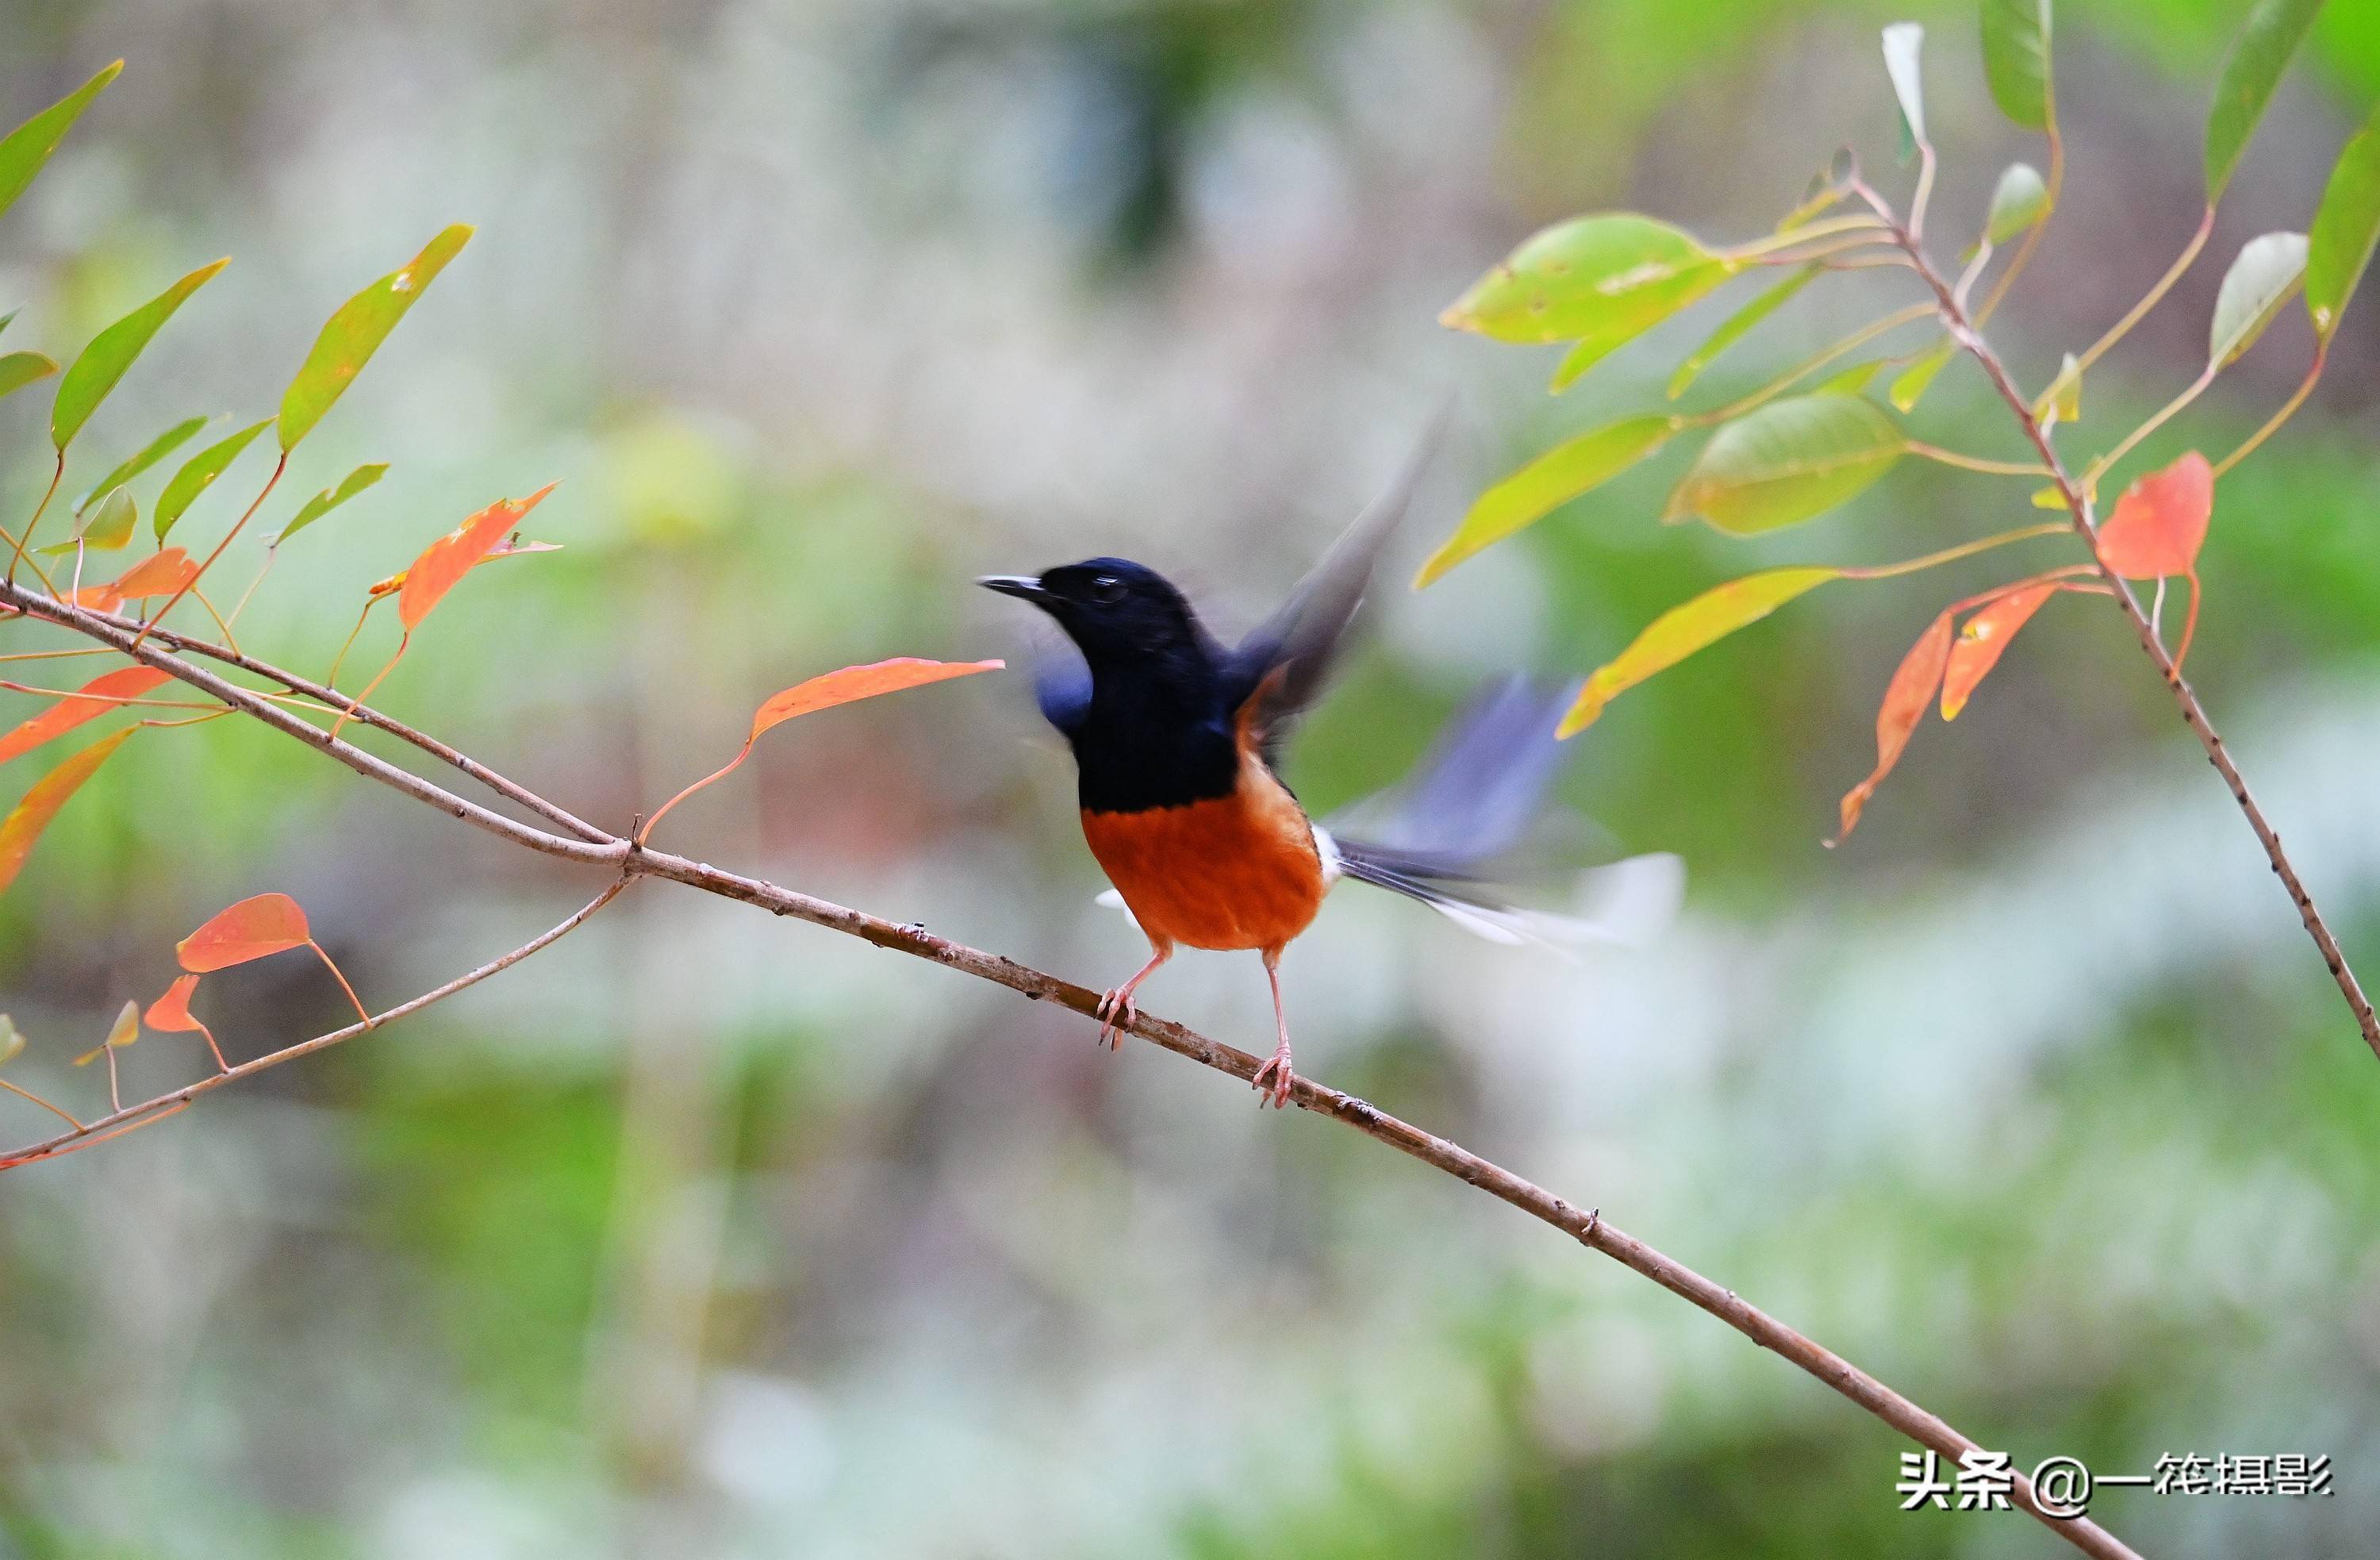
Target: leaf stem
point(159, 616)
point(2089, 480)
point(2056, 180)
point(1808, 366)
point(1977, 462)
point(1952, 554)
point(2289, 409)
point(2150, 300)
point(57, 475)
point(29, 1094)
point(341, 976)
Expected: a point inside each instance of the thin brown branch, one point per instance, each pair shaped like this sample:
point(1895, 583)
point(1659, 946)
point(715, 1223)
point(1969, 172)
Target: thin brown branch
point(2193, 714)
point(632, 860)
point(129, 1116)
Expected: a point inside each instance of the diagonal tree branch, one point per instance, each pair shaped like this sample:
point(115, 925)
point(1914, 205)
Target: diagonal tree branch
point(632, 860)
point(1964, 330)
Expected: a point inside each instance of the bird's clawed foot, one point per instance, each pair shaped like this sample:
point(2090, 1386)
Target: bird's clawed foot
point(1117, 1013)
point(1278, 1071)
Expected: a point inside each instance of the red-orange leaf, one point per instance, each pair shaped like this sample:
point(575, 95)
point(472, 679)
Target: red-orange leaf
point(170, 1014)
point(160, 574)
point(267, 924)
point(97, 598)
point(452, 556)
point(860, 682)
point(1980, 642)
point(24, 825)
point(125, 682)
point(1905, 699)
point(2160, 522)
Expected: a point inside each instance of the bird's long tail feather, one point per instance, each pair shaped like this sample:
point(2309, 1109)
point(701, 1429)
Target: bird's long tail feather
point(1449, 833)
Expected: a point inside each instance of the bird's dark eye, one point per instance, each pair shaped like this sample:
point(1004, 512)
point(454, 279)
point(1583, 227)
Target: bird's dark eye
point(1107, 589)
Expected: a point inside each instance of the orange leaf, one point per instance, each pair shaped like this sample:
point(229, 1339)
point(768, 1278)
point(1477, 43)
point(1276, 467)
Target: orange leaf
point(1905, 699)
point(160, 574)
point(269, 924)
point(452, 556)
point(97, 598)
point(127, 682)
point(1980, 642)
point(23, 826)
point(170, 1014)
point(2160, 522)
point(860, 682)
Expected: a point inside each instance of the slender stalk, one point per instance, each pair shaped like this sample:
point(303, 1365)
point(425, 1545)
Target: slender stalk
point(272, 552)
point(341, 976)
point(1952, 554)
point(1809, 366)
point(2289, 409)
point(2156, 293)
point(2101, 465)
point(57, 475)
point(1977, 462)
point(29, 1094)
point(257, 503)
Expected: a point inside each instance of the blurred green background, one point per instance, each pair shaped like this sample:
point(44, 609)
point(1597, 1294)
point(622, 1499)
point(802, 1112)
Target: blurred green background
point(708, 1235)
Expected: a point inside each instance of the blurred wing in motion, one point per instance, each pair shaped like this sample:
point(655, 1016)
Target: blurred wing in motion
point(1284, 663)
point(1449, 833)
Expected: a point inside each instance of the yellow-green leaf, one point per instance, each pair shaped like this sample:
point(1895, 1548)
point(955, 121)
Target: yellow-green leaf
point(30, 144)
point(1733, 328)
point(106, 527)
point(20, 369)
point(95, 372)
point(1910, 386)
point(2020, 201)
point(2260, 283)
point(1786, 462)
point(352, 334)
point(12, 1041)
point(330, 498)
point(1546, 483)
point(2273, 33)
point(121, 1033)
point(199, 473)
point(1852, 380)
point(1684, 630)
point(2345, 227)
point(2016, 59)
point(1598, 281)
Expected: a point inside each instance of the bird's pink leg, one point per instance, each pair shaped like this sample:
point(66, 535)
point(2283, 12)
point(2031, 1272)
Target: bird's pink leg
point(1116, 1010)
point(1278, 1068)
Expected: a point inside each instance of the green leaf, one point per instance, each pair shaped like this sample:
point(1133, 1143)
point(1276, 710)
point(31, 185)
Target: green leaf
point(20, 369)
point(355, 332)
point(94, 374)
point(2016, 60)
point(199, 473)
point(109, 526)
point(1902, 40)
point(1734, 327)
point(2345, 227)
point(1599, 281)
point(1786, 462)
point(30, 144)
point(2259, 283)
point(1852, 380)
point(330, 498)
point(4, 320)
point(1546, 483)
point(1910, 387)
point(2258, 60)
point(2020, 201)
point(1685, 628)
point(147, 456)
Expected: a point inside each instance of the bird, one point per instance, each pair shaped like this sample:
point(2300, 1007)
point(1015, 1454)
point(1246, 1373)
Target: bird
point(1177, 740)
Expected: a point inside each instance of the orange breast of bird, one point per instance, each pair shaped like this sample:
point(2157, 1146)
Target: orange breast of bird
point(1239, 870)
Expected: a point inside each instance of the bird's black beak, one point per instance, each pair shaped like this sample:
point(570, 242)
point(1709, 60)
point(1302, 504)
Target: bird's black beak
point(1024, 586)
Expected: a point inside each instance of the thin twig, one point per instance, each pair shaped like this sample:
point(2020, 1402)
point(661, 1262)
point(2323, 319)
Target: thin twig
point(2078, 506)
point(65, 1142)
